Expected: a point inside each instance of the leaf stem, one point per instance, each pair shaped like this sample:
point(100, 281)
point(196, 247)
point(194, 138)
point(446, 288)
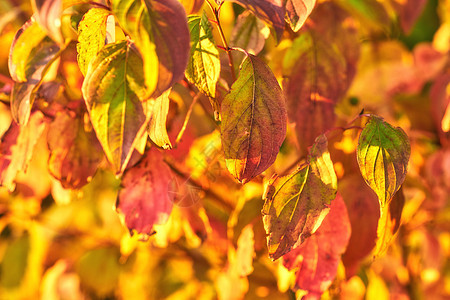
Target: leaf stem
point(186, 120)
point(222, 36)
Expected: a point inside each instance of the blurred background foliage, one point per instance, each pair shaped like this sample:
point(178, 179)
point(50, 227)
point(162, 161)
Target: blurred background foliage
point(71, 244)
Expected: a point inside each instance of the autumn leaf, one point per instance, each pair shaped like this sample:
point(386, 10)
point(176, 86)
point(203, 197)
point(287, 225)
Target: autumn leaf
point(316, 78)
point(91, 36)
point(162, 23)
point(157, 130)
point(75, 154)
point(318, 258)
point(144, 199)
point(17, 146)
point(270, 11)
point(192, 6)
point(296, 204)
point(114, 100)
point(31, 52)
point(203, 67)
point(48, 15)
point(383, 154)
point(253, 121)
point(409, 11)
point(364, 213)
point(389, 223)
point(249, 33)
point(297, 11)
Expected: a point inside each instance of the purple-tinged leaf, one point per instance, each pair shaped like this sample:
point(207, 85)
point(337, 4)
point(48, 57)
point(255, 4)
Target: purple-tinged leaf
point(297, 11)
point(296, 204)
point(159, 28)
point(48, 15)
point(249, 33)
point(16, 148)
point(74, 153)
point(144, 199)
point(114, 91)
point(253, 121)
point(270, 11)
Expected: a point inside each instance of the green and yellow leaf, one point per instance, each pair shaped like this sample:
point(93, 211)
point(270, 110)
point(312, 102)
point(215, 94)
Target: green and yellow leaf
point(296, 204)
point(114, 90)
point(383, 153)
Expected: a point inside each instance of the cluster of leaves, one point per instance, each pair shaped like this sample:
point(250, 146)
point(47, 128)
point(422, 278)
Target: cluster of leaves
point(133, 101)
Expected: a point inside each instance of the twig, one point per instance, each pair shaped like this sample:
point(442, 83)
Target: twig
point(208, 191)
point(222, 36)
point(186, 120)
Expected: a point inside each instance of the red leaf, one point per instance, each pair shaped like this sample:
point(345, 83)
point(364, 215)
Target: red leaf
point(364, 212)
point(318, 258)
point(74, 153)
point(171, 37)
point(409, 11)
point(270, 11)
point(253, 121)
point(16, 148)
point(144, 198)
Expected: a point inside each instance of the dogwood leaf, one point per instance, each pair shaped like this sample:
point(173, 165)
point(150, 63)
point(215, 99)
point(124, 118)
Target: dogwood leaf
point(253, 120)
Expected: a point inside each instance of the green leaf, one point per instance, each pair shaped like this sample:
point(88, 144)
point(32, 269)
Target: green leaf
point(91, 36)
point(253, 121)
point(162, 23)
point(383, 153)
point(157, 130)
point(114, 90)
point(296, 204)
point(14, 262)
point(203, 67)
point(31, 53)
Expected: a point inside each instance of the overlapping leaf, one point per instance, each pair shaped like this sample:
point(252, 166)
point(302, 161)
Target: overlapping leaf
point(383, 154)
point(157, 130)
point(318, 75)
point(297, 11)
point(16, 148)
point(270, 11)
point(114, 90)
point(203, 67)
point(30, 53)
point(74, 153)
point(253, 121)
point(48, 15)
point(91, 36)
point(364, 212)
point(162, 23)
point(296, 204)
point(144, 199)
point(318, 258)
point(249, 33)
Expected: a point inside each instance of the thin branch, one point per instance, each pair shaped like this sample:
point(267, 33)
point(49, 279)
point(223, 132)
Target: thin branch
point(208, 191)
point(222, 36)
point(186, 120)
